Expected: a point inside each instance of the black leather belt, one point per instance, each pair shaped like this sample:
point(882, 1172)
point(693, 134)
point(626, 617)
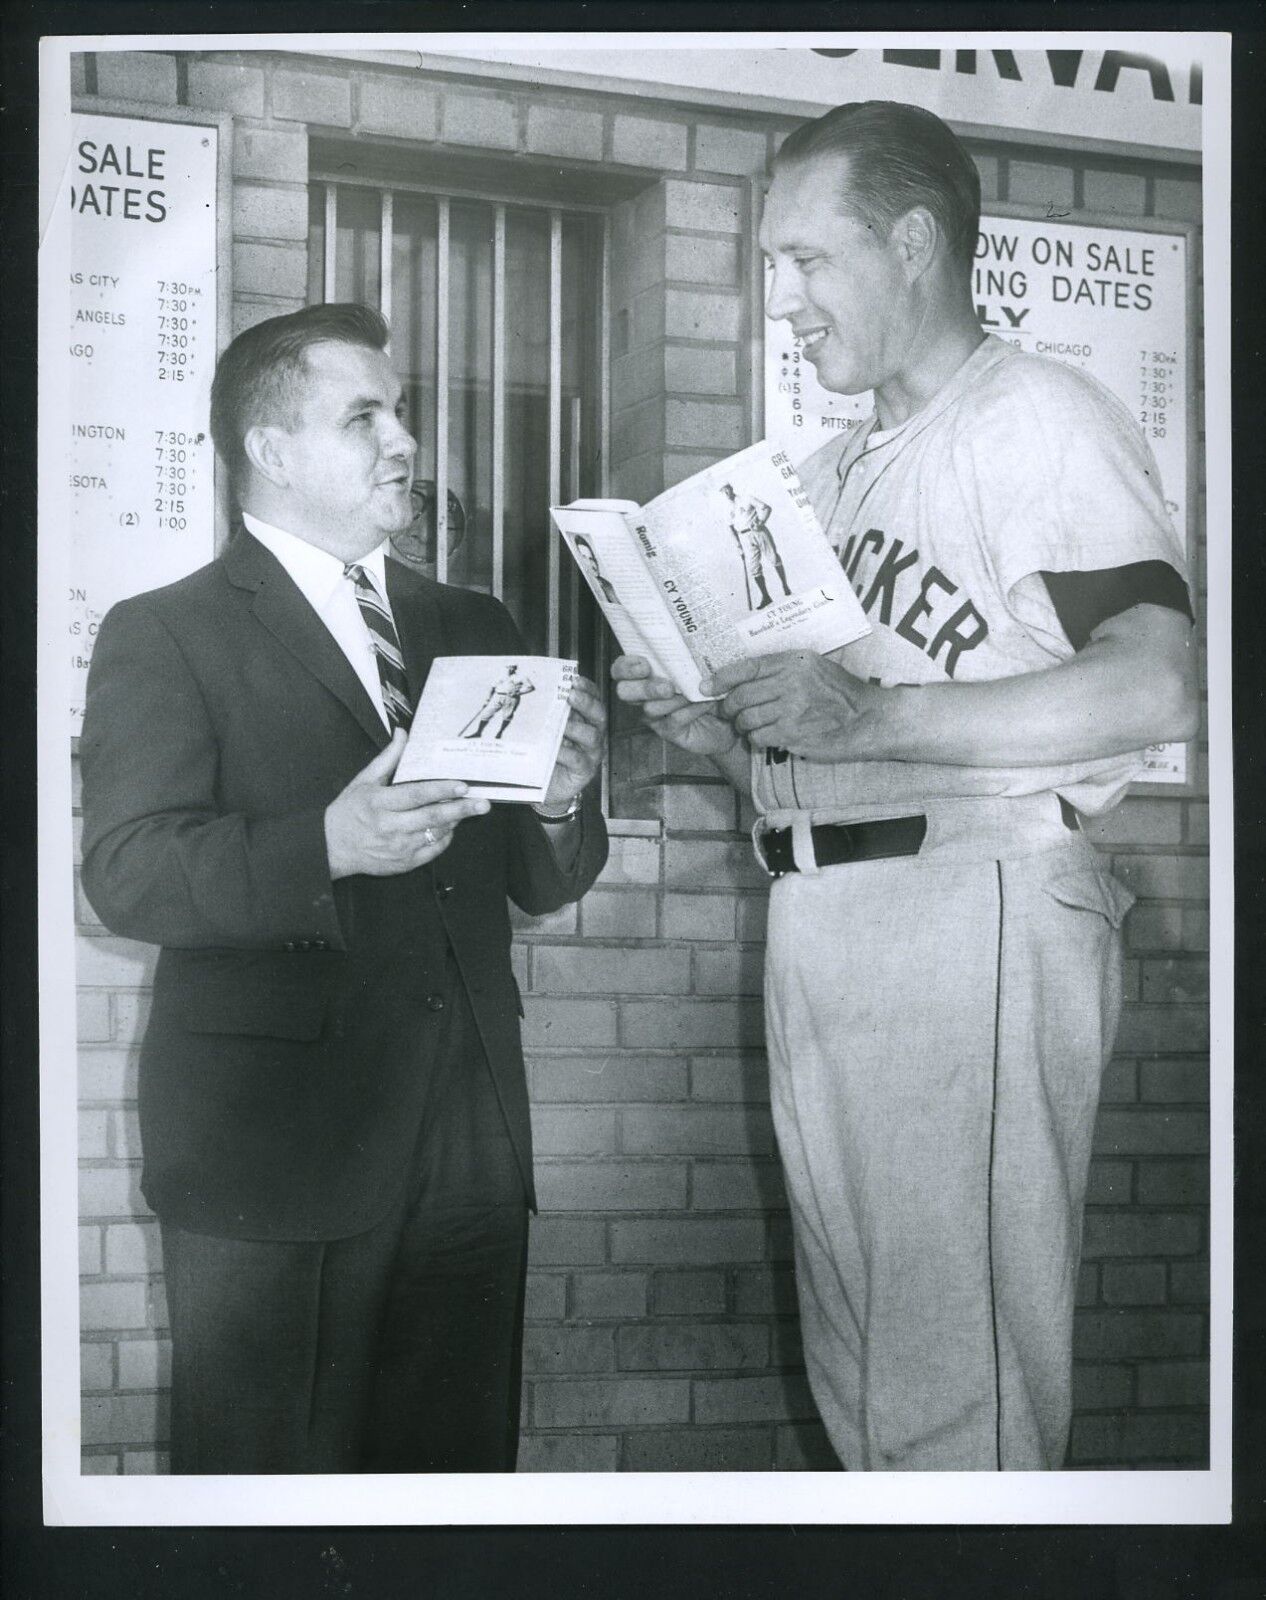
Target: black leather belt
point(840, 842)
point(836, 843)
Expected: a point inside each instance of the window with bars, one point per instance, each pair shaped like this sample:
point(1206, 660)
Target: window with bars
point(498, 311)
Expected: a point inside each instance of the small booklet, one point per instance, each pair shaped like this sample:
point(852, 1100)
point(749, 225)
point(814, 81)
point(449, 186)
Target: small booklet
point(729, 564)
point(494, 722)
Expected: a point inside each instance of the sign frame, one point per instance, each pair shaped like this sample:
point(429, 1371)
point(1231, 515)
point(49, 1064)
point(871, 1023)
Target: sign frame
point(1193, 785)
point(222, 122)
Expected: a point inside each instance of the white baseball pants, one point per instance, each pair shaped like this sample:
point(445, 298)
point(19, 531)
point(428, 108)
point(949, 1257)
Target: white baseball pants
point(937, 1029)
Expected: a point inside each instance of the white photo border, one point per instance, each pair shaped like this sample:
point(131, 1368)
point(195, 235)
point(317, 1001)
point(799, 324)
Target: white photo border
point(1082, 1497)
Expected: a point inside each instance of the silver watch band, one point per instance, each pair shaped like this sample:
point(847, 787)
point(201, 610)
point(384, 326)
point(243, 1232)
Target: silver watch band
point(573, 810)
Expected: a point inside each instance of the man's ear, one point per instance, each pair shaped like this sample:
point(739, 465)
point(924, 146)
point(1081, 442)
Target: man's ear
point(917, 234)
point(265, 447)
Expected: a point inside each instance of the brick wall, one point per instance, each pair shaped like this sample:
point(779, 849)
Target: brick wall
point(661, 1322)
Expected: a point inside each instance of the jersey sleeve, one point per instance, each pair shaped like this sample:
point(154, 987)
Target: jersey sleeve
point(1083, 600)
point(1063, 479)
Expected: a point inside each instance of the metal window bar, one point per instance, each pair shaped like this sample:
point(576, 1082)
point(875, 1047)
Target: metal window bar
point(572, 492)
point(331, 242)
point(386, 245)
point(498, 400)
point(604, 360)
point(604, 463)
point(441, 389)
point(555, 412)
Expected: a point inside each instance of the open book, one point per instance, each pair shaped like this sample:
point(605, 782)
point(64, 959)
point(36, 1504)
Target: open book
point(495, 722)
point(731, 563)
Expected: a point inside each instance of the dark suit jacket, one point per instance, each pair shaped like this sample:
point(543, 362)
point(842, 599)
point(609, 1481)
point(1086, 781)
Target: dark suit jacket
point(294, 1019)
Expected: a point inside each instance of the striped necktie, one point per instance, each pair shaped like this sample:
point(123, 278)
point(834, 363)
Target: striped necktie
point(386, 648)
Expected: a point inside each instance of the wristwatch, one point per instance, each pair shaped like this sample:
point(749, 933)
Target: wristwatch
point(573, 810)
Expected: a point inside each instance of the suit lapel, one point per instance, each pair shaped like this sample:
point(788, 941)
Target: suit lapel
point(279, 606)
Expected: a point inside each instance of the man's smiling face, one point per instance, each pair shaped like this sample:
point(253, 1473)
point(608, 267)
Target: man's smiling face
point(837, 280)
point(349, 458)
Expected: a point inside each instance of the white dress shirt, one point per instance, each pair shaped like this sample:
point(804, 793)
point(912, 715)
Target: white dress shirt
point(332, 595)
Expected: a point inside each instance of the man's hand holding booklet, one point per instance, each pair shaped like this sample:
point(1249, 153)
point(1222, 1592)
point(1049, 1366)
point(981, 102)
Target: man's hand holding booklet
point(728, 565)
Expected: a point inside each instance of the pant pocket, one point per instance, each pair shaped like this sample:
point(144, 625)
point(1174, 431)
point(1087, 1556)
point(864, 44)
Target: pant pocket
point(1088, 888)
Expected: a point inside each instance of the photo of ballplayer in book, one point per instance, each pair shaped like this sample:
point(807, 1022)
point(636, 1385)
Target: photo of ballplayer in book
point(500, 705)
point(749, 523)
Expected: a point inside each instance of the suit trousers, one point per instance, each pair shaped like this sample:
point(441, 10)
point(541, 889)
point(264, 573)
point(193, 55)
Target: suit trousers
point(396, 1350)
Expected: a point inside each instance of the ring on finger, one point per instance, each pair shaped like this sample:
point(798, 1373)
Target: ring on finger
point(429, 835)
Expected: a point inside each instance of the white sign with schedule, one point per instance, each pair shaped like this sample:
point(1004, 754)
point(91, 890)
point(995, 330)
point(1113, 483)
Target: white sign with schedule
point(142, 349)
point(1112, 301)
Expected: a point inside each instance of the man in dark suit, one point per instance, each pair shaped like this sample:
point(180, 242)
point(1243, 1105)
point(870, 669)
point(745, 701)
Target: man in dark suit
point(334, 1114)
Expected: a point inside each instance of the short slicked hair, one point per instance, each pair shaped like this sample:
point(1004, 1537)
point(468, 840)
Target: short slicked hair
point(899, 157)
point(259, 378)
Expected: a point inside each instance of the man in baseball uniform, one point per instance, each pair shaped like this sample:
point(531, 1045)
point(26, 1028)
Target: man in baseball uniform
point(936, 1046)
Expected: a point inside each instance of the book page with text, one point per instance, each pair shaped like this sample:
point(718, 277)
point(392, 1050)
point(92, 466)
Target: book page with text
point(601, 537)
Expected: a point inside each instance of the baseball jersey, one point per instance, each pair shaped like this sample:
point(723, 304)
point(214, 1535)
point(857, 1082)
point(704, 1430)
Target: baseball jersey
point(748, 524)
point(943, 526)
point(509, 689)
